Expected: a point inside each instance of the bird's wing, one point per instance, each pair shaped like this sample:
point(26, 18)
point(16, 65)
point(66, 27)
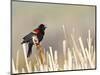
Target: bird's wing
point(29, 36)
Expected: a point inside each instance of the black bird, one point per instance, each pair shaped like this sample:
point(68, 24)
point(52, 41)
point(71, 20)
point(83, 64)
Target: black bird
point(36, 35)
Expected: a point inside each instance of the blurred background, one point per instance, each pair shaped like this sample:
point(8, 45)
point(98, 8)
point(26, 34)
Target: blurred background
point(77, 20)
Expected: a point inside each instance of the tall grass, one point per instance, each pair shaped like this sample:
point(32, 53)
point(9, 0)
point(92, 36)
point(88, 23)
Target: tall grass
point(74, 58)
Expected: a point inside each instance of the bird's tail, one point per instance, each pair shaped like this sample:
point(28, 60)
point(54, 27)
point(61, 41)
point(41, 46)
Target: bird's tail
point(28, 54)
point(29, 49)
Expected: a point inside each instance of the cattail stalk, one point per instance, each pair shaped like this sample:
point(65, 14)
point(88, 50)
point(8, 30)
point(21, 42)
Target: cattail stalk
point(17, 59)
point(13, 67)
point(69, 59)
point(77, 52)
point(25, 55)
point(41, 53)
point(51, 55)
point(84, 53)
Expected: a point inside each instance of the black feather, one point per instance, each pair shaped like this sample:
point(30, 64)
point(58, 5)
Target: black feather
point(29, 49)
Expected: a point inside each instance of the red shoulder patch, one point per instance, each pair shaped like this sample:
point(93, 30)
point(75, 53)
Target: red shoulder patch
point(36, 30)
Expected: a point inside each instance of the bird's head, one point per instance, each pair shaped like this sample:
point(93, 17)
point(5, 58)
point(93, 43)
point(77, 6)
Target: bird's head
point(42, 27)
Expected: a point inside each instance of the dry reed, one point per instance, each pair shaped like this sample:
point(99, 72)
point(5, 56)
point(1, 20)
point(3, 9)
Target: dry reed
point(74, 58)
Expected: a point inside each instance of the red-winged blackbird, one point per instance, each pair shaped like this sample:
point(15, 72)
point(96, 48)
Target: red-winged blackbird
point(36, 35)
